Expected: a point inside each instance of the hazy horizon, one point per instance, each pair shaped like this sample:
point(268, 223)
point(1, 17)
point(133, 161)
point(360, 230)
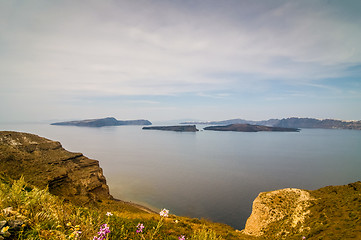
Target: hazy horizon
point(167, 60)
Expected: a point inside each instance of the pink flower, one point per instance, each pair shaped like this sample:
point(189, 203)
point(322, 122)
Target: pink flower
point(182, 237)
point(140, 227)
point(102, 234)
point(164, 213)
point(109, 214)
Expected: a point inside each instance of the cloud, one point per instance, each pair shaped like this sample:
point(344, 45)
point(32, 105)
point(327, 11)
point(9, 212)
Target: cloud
point(159, 47)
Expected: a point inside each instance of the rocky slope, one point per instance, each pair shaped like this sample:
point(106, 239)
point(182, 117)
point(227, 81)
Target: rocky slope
point(250, 128)
point(109, 121)
point(43, 163)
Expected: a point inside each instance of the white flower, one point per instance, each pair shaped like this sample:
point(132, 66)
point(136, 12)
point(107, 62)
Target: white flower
point(164, 213)
point(109, 214)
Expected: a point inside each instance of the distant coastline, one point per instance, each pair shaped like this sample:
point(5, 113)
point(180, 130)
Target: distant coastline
point(292, 122)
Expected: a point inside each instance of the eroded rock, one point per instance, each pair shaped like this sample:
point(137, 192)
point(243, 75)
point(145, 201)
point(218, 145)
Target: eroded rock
point(44, 163)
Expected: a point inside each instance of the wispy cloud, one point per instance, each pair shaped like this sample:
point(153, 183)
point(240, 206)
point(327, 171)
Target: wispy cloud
point(133, 48)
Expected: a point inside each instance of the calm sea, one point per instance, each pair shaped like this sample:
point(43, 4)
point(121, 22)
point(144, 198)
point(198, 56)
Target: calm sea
point(208, 174)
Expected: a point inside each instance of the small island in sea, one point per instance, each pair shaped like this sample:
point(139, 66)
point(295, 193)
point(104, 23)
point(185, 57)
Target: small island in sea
point(183, 128)
point(102, 122)
point(250, 128)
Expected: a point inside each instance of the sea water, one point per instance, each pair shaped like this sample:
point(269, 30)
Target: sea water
point(208, 174)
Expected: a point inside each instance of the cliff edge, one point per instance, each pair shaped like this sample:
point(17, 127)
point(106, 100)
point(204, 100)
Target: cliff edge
point(44, 163)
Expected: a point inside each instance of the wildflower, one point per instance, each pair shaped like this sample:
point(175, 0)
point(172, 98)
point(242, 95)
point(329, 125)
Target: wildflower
point(303, 238)
point(5, 229)
point(164, 213)
point(68, 224)
point(140, 227)
point(182, 237)
point(176, 221)
point(109, 214)
point(103, 231)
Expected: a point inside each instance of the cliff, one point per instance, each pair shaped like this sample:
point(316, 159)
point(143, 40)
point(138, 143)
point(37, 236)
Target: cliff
point(43, 163)
point(187, 128)
point(331, 212)
point(250, 128)
point(109, 121)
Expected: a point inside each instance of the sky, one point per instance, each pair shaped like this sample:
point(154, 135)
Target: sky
point(179, 59)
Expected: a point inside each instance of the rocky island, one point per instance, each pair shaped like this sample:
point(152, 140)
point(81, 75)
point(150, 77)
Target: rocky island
point(109, 121)
point(250, 128)
point(183, 128)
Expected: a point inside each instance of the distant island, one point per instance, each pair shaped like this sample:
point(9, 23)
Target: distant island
point(250, 128)
point(291, 123)
point(102, 122)
point(184, 128)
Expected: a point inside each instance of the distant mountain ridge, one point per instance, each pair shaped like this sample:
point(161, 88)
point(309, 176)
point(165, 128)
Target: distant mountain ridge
point(101, 122)
point(250, 128)
point(292, 123)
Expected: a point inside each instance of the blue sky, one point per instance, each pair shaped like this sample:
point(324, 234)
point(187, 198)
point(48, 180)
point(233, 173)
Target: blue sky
point(167, 60)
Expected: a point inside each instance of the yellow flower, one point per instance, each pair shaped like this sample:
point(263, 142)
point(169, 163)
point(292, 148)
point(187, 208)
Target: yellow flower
point(5, 229)
point(59, 226)
point(68, 224)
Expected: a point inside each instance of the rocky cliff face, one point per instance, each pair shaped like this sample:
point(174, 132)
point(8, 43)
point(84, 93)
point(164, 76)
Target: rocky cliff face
point(43, 163)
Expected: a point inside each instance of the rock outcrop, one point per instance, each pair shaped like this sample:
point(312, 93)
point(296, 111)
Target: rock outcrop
point(102, 122)
point(250, 128)
point(275, 206)
point(331, 212)
point(185, 128)
point(44, 163)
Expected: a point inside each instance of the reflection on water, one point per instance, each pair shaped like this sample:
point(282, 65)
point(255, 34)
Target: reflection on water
point(214, 175)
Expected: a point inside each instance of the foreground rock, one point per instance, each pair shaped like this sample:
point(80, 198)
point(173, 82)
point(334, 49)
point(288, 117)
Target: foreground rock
point(43, 163)
point(250, 128)
point(331, 212)
point(110, 121)
point(184, 128)
point(272, 207)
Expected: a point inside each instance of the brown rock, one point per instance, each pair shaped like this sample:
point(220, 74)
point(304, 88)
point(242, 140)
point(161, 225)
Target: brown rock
point(290, 205)
point(45, 163)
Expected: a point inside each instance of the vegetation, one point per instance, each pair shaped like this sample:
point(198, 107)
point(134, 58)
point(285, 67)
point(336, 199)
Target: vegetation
point(31, 213)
